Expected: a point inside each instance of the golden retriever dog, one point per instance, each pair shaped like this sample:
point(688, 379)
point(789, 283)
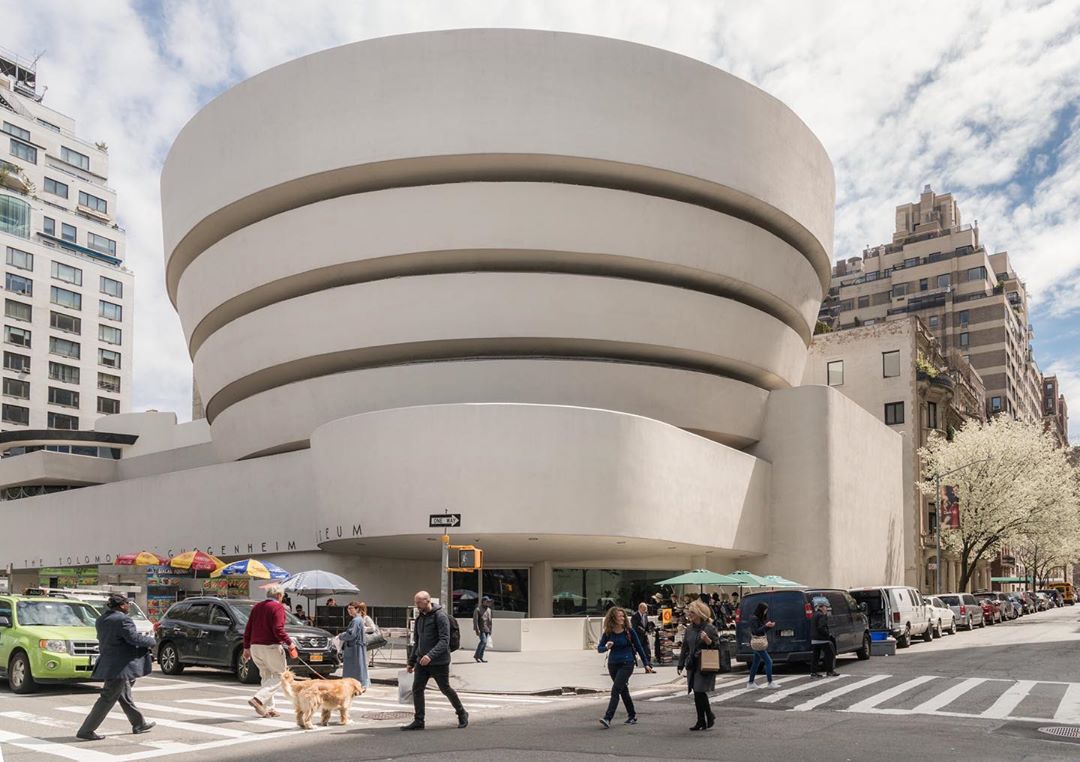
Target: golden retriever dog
point(310, 696)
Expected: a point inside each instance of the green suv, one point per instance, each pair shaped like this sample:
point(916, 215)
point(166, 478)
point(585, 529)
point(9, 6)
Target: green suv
point(45, 640)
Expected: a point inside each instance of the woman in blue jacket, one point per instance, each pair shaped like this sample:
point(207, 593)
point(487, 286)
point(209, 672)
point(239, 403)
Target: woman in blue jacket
point(354, 650)
point(620, 643)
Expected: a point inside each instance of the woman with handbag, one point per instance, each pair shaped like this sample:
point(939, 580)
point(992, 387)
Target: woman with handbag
point(620, 643)
point(354, 642)
point(700, 657)
point(759, 644)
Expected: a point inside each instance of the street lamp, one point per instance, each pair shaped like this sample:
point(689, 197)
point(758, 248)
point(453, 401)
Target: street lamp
point(937, 510)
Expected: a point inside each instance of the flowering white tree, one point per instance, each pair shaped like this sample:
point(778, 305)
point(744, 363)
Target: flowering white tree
point(1013, 486)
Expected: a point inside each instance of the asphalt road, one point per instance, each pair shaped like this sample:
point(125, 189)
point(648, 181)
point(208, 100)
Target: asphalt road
point(991, 694)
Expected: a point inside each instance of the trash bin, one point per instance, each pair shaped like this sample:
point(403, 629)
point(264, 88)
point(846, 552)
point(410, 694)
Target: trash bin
point(727, 653)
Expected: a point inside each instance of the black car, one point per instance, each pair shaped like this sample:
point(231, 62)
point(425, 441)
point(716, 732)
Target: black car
point(209, 632)
point(789, 640)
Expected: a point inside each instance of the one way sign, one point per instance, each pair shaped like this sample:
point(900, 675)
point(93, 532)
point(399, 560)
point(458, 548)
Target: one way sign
point(444, 520)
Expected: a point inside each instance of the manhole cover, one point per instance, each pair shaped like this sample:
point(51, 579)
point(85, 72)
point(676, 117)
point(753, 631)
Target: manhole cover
point(386, 715)
point(1061, 731)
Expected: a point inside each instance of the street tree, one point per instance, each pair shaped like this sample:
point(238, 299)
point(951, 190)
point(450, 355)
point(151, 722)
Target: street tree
point(1012, 483)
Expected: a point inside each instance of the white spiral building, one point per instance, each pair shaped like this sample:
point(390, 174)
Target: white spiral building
point(559, 284)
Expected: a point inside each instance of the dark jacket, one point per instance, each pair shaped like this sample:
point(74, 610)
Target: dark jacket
point(481, 620)
point(432, 636)
point(758, 627)
point(124, 652)
point(626, 643)
point(688, 657)
point(819, 627)
point(641, 625)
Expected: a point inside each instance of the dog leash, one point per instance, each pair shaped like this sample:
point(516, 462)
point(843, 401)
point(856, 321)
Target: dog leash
point(311, 668)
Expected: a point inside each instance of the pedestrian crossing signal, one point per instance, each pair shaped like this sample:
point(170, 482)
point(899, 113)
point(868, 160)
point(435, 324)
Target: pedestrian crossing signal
point(466, 558)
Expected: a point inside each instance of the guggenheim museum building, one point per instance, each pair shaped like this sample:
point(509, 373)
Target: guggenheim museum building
point(559, 285)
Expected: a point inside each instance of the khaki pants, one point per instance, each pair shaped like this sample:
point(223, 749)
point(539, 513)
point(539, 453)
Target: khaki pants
point(271, 663)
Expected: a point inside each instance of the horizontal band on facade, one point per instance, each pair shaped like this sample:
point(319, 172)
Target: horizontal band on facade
point(487, 349)
point(419, 264)
point(442, 170)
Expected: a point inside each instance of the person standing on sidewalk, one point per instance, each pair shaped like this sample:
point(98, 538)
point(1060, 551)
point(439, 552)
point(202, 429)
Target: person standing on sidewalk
point(641, 624)
point(123, 655)
point(821, 640)
point(701, 634)
point(620, 643)
point(354, 661)
point(481, 624)
point(430, 659)
point(265, 641)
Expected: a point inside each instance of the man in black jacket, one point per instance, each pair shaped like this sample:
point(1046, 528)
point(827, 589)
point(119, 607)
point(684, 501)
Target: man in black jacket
point(123, 656)
point(430, 659)
point(821, 640)
point(640, 624)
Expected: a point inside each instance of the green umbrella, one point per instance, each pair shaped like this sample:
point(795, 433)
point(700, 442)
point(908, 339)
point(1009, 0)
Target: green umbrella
point(749, 579)
point(775, 580)
point(701, 577)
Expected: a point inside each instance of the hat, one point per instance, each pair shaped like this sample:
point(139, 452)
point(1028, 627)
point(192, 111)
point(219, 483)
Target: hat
point(486, 599)
point(116, 600)
point(821, 602)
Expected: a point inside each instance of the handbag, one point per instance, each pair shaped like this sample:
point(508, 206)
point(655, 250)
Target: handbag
point(708, 660)
point(759, 642)
point(373, 640)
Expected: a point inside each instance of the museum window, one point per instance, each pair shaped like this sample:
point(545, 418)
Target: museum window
point(63, 397)
point(67, 273)
point(835, 375)
point(591, 592)
point(17, 284)
point(20, 337)
point(108, 406)
point(65, 323)
point(61, 421)
point(894, 413)
point(18, 310)
point(13, 387)
point(23, 260)
point(890, 364)
point(15, 414)
point(16, 362)
point(66, 374)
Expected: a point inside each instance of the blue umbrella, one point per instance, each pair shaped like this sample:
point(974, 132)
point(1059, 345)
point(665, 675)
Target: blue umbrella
point(251, 567)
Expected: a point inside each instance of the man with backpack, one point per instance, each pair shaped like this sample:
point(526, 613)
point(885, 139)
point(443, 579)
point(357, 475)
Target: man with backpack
point(435, 636)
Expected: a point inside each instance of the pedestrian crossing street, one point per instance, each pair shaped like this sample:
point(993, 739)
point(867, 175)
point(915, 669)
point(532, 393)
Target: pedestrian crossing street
point(980, 698)
point(198, 716)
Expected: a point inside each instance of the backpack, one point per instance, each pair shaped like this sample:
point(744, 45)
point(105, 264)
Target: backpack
point(455, 634)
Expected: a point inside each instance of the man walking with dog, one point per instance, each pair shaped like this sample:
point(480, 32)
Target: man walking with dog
point(430, 659)
point(265, 641)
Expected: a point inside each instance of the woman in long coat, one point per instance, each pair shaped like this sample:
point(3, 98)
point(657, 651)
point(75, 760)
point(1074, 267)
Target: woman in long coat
point(699, 635)
point(354, 651)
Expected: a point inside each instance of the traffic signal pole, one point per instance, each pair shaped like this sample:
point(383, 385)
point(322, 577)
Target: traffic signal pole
point(444, 589)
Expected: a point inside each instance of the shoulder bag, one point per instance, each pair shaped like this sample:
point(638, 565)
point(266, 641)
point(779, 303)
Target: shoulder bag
point(373, 640)
point(759, 642)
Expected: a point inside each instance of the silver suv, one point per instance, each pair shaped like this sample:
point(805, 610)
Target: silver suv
point(967, 610)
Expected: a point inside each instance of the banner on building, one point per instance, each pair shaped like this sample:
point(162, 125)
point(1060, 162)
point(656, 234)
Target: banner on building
point(952, 508)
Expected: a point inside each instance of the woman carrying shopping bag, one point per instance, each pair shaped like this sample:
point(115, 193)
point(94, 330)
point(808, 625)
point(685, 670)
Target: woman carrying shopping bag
point(354, 643)
point(620, 643)
point(700, 657)
point(759, 644)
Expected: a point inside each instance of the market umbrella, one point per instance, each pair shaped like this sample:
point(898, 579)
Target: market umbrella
point(142, 558)
point(196, 561)
point(317, 583)
point(252, 567)
point(775, 580)
point(748, 579)
point(702, 577)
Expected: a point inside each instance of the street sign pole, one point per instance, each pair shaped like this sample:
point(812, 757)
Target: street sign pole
point(444, 590)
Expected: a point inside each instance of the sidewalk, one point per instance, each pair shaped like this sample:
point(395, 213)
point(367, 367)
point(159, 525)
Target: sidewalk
point(577, 671)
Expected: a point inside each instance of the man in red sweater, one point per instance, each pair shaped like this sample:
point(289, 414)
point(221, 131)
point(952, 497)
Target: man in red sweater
point(264, 642)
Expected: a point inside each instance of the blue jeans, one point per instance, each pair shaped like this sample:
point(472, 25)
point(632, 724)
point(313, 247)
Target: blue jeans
point(761, 657)
point(481, 645)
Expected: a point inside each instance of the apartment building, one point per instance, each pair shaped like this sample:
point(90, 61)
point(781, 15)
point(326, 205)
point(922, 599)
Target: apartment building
point(972, 301)
point(1055, 411)
point(67, 296)
point(895, 370)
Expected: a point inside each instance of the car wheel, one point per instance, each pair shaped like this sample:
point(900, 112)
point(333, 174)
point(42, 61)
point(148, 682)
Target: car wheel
point(982, 622)
point(928, 636)
point(246, 671)
point(940, 629)
point(904, 640)
point(864, 653)
point(169, 659)
point(20, 677)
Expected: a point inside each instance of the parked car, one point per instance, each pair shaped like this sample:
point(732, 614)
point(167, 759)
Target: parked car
point(209, 632)
point(991, 614)
point(45, 640)
point(1001, 601)
point(1055, 597)
point(897, 610)
point(942, 618)
point(966, 609)
point(1018, 606)
point(1031, 603)
point(1044, 601)
point(792, 611)
point(97, 599)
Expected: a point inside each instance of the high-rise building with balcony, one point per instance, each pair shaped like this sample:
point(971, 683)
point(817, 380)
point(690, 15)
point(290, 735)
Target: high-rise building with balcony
point(68, 297)
point(1055, 411)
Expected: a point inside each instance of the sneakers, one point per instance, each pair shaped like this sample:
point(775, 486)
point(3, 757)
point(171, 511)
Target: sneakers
point(752, 685)
point(630, 721)
point(773, 685)
point(605, 722)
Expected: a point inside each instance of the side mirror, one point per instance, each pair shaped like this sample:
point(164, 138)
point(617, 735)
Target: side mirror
point(224, 621)
point(5, 621)
point(862, 607)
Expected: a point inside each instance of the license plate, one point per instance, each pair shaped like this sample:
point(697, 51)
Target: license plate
point(787, 633)
point(315, 657)
point(93, 660)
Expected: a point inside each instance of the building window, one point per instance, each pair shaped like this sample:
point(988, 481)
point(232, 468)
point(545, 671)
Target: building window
point(68, 232)
point(872, 276)
point(66, 374)
point(93, 202)
point(894, 413)
point(14, 216)
point(13, 387)
point(963, 317)
point(965, 339)
point(110, 311)
point(108, 358)
point(67, 273)
point(890, 364)
point(80, 160)
point(912, 261)
point(63, 397)
point(101, 243)
point(16, 362)
point(924, 284)
point(56, 187)
point(107, 406)
point(864, 301)
point(23, 260)
point(17, 284)
point(109, 383)
point(931, 415)
point(109, 334)
point(65, 298)
point(900, 289)
point(15, 414)
point(16, 130)
point(48, 226)
point(995, 404)
point(50, 125)
point(846, 306)
point(836, 373)
point(944, 281)
point(933, 321)
point(61, 421)
point(112, 287)
point(20, 337)
point(976, 273)
point(23, 151)
point(64, 348)
point(65, 323)
point(18, 310)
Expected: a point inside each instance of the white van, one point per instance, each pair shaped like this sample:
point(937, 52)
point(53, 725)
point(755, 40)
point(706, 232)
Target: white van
point(898, 610)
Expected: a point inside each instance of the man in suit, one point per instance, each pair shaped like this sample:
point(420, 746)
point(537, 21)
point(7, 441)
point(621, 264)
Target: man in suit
point(123, 655)
point(639, 622)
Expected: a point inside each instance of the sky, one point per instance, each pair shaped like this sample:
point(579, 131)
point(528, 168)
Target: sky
point(981, 99)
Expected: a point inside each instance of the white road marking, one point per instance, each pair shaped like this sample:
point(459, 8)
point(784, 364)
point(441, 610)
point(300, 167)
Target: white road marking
point(266, 722)
point(37, 719)
point(826, 697)
point(777, 695)
point(880, 698)
point(1069, 707)
point(78, 753)
point(191, 727)
point(1010, 699)
point(731, 694)
point(946, 697)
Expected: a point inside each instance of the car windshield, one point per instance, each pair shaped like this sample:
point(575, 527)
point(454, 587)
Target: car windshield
point(242, 609)
point(55, 614)
point(951, 600)
point(133, 610)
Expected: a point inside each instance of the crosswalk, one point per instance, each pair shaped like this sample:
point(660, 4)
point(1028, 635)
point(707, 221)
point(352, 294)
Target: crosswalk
point(982, 698)
point(195, 716)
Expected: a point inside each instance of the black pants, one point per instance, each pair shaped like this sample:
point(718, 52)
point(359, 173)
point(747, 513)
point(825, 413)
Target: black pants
point(117, 689)
point(440, 673)
point(829, 660)
point(620, 688)
point(704, 711)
